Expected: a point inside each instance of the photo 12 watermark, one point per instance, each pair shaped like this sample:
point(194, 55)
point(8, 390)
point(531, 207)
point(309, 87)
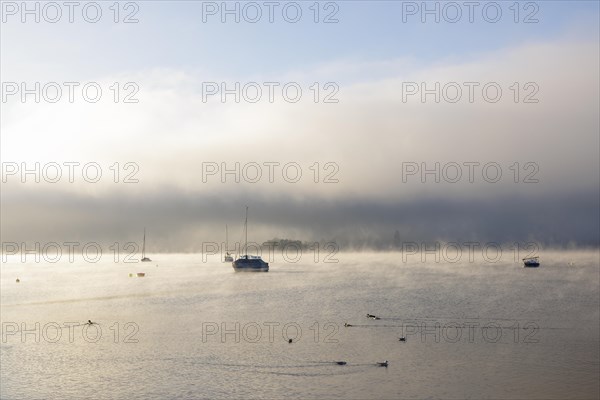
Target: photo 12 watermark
point(468, 251)
point(255, 12)
point(470, 172)
point(70, 12)
point(70, 92)
point(470, 331)
point(454, 12)
point(469, 92)
point(70, 252)
point(69, 172)
point(269, 92)
point(269, 332)
point(69, 332)
point(274, 251)
point(270, 172)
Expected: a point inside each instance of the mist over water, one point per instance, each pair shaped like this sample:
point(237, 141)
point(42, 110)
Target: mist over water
point(504, 331)
point(395, 162)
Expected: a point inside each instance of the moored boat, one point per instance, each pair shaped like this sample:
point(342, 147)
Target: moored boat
point(531, 262)
point(248, 263)
point(144, 258)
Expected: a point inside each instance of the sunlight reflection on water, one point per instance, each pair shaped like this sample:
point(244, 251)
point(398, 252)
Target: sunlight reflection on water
point(183, 315)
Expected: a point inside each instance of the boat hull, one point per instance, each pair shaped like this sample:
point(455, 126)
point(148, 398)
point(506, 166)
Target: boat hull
point(250, 265)
point(531, 265)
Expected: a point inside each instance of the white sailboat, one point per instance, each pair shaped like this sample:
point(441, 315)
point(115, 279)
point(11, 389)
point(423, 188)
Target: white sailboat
point(144, 258)
point(248, 263)
point(228, 257)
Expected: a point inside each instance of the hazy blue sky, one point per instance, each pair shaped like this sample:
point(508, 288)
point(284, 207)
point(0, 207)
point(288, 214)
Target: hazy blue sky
point(368, 136)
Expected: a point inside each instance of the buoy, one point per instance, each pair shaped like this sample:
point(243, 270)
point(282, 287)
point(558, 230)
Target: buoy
point(290, 341)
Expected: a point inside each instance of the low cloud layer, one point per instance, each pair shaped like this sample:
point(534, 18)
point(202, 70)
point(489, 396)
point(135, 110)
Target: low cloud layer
point(179, 221)
point(369, 136)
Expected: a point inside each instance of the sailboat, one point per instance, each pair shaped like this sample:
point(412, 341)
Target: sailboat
point(144, 258)
point(228, 257)
point(248, 263)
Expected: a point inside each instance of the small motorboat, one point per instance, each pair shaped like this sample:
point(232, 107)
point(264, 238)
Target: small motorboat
point(383, 364)
point(531, 262)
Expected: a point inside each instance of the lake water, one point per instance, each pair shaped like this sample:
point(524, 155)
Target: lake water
point(194, 329)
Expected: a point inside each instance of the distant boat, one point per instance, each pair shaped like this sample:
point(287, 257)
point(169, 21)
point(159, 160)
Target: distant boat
point(228, 257)
point(144, 258)
point(141, 274)
point(248, 263)
point(531, 262)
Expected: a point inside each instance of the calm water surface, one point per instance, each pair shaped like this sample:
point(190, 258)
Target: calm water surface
point(193, 329)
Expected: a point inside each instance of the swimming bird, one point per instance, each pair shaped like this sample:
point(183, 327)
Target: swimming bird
point(18, 280)
point(402, 339)
point(383, 364)
point(347, 324)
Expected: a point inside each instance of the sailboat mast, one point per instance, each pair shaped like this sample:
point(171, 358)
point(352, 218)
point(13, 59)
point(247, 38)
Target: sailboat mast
point(246, 233)
point(144, 245)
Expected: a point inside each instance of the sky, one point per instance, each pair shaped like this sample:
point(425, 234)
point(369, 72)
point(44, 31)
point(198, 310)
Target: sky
point(342, 159)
